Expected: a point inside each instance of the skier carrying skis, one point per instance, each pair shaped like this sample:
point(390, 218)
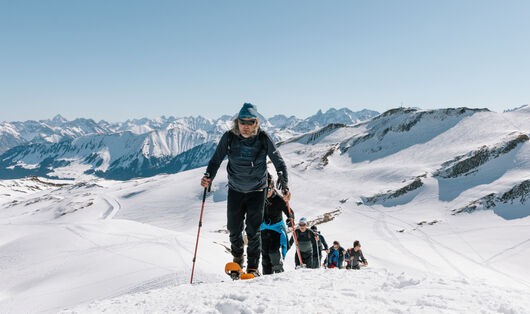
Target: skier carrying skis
point(335, 255)
point(354, 256)
point(247, 147)
point(273, 231)
point(319, 245)
point(306, 240)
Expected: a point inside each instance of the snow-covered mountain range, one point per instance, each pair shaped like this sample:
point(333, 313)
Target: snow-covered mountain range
point(135, 148)
point(438, 198)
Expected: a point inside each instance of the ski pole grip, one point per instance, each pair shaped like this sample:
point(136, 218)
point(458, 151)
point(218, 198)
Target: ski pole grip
point(207, 175)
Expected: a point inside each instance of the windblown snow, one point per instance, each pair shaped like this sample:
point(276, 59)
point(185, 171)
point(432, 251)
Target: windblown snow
point(398, 183)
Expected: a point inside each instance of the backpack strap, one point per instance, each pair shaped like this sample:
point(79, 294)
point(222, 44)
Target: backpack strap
point(263, 140)
point(229, 142)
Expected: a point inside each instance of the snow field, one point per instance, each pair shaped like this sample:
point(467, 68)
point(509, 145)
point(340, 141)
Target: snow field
point(371, 290)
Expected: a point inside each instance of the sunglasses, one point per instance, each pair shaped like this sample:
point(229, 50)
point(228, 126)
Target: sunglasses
point(247, 122)
point(302, 225)
point(269, 189)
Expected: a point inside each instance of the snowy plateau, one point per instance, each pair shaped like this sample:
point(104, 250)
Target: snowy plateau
point(440, 200)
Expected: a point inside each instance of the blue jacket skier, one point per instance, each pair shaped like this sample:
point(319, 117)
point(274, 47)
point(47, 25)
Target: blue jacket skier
point(335, 255)
point(273, 231)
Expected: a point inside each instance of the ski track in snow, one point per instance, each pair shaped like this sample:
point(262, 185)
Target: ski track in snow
point(489, 260)
point(114, 207)
point(438, 247)
point(426, 239)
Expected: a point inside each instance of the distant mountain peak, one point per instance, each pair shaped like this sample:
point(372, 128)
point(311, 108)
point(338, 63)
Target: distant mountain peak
point(517, 108)
point(59, 119)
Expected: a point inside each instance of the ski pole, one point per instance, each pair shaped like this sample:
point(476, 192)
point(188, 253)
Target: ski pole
point(281, 182)
point(199, 229)
point(294, 235)
point(319, 252)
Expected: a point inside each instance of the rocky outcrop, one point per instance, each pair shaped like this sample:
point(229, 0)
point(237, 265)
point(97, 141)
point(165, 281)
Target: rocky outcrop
point(383, 197)
point(517, 195)
point(468, 163)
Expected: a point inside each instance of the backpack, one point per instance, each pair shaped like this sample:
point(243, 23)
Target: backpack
point(349, 252)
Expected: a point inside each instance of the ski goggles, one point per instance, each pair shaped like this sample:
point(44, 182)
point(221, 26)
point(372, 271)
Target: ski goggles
point(247, 122)
point(302, 225)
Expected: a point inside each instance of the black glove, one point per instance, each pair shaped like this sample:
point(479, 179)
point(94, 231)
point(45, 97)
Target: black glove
point(281, 184)
point(288, 222)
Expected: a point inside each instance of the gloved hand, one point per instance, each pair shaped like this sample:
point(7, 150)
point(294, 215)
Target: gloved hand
point(282, 184)
point(286, 195)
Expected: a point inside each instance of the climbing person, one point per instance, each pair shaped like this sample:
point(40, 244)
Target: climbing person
point(354, 255)
point(273, 231)
point(247, 147)
point(335, 255)
point(306, 238)
point(318, 246)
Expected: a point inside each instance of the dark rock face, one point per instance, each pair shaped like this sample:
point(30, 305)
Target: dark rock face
point(466, 164)
point(519, 192)
point(380, 198)
point(519, 195)
point(325, 158)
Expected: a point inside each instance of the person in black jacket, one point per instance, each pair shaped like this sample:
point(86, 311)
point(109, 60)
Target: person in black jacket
point(273, 231)
point(354, 256)
point(318, 247)
point(306, 239)
point(247, 147)
point(335, 255)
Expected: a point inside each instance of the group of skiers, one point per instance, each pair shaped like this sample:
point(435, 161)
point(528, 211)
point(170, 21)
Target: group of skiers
point(254, 203)
point(311, 244)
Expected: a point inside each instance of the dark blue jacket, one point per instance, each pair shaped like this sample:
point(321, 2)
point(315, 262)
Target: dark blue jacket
point(339, 254)
point(247, 161)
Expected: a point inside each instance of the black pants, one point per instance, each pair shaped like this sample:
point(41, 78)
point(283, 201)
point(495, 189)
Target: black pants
point(316, 264)
point(350, 266)
point(270, 252)
point(245, 209)
point(307, 258)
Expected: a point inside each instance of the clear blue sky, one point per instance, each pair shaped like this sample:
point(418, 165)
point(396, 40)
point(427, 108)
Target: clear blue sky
point(124, 59)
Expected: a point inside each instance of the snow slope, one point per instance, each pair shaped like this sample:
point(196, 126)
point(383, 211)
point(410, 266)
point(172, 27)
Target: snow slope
point(126, 246)
point(323, 291)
